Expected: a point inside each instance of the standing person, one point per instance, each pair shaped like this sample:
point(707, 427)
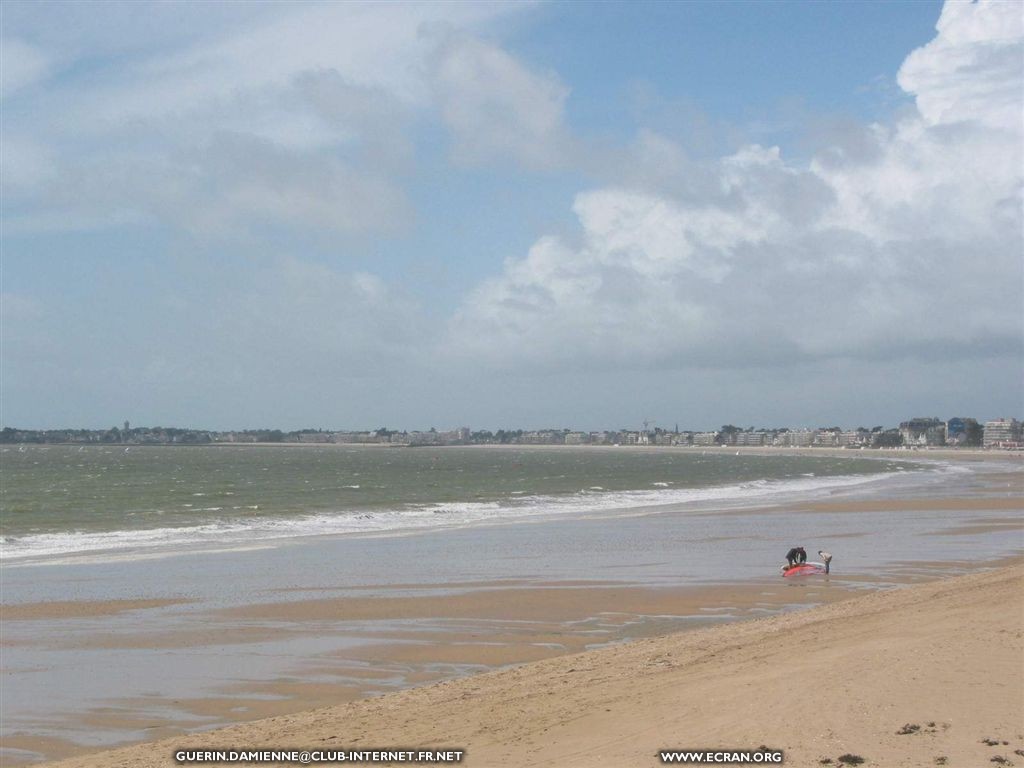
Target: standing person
point(826, 558)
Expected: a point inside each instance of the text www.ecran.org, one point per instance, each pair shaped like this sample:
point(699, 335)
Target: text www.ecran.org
point(722, 756)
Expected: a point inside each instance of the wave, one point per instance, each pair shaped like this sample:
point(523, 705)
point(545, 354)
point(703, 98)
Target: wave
point(246, 531)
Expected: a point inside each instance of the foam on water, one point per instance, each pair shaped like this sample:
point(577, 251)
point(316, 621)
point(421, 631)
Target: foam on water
point(244, 532)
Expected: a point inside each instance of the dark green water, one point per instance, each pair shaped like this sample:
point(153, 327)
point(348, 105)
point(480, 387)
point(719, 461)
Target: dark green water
point(62, 499)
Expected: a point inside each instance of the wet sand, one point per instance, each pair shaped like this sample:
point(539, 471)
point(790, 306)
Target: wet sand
point(916, 676)
point(490, 626)
point(405, 636)
point(70, 609)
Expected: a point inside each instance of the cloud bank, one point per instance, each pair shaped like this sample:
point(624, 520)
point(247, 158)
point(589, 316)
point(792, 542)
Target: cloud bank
point(906, 242)
point(296, 116)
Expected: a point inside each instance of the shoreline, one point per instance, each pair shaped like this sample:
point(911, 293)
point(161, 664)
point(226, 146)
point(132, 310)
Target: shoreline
point(868, 667)
point(496, 605)
point(263, 532)
point(942, 452)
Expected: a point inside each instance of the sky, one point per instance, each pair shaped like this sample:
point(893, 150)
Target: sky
point(522, 215)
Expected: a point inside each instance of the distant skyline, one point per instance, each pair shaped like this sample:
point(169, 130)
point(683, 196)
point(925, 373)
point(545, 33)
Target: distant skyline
point(527, 215)
point(650, 427)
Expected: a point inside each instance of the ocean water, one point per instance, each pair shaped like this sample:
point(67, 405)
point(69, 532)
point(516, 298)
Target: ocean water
point(226, 528)
point(67, 501)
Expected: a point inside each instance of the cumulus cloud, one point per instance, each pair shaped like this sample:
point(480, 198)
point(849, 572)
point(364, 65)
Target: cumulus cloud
point(908, 242)
point(971, 71)
point(497, 108)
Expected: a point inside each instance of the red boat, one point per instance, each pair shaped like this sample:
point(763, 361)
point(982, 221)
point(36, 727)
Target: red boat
point(805, 569)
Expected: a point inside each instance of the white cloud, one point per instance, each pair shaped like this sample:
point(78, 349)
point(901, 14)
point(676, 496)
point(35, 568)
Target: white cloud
point(912, 245)
point(235, 181)
point(298, 116)
point(372, 45)
point(971, 71)
point(496, 108)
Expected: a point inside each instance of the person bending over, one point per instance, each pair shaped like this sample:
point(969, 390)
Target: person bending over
point(826, 558)
point(796, 555)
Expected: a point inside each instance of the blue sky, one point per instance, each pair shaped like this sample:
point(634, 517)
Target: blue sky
point(550, 214)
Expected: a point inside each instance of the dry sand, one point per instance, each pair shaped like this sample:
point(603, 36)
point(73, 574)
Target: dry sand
point(843, 678)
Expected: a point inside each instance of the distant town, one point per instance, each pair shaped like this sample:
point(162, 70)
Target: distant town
point(958, 432)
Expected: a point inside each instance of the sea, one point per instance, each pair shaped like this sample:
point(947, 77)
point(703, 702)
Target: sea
point(216, 529)
point(90, 501)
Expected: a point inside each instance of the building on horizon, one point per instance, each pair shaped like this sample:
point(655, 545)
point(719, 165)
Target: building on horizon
point(795, 438)
point(921, 431)
point(855, 438)
point(1002, 433)
point(826, 438)
point(959, 431)
point(705, 438)
point(750, 438)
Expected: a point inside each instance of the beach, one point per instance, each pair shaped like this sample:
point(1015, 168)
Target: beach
point(924, 675)
point(656, 627)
